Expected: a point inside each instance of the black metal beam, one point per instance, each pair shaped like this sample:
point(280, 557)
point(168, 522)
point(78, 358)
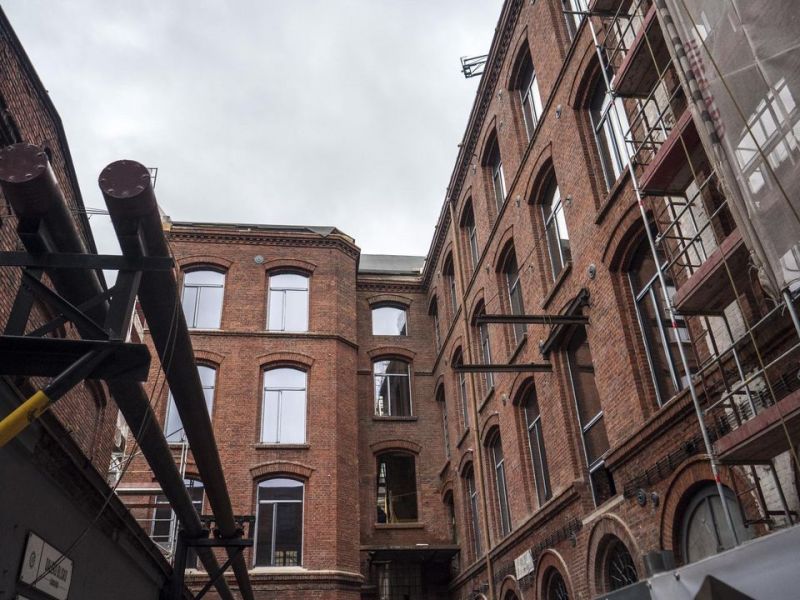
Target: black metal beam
point(74, 260)
point(216, 575)
point(533, 319)
point(501, 368)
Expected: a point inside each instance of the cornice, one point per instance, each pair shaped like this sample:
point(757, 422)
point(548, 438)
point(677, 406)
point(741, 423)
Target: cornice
point(407, 287)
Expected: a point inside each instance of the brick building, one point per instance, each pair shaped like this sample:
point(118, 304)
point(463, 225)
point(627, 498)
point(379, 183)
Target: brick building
point(348, 392)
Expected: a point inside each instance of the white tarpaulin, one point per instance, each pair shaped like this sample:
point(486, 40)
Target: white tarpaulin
point(745, 56)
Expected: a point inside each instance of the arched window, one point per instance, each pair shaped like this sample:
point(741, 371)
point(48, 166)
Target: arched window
point(203, 290)
point(472, 502)
point(287, 305)
point(499, 468)
point(471, 234)
point(590, 415)
point(555, 226)
point(451, 516)
point(450, 279)
point(618, 569)
point(437, 333)
point(704, 529)
point(485, 349)
point(494, 165)
point(173, 427)
point(392, 388)
point(533, 422)
point(279, 523)
point(554, 586)
point(445, 427)
point(389, 319)
point(396, 488)
point(461, 385)
point(283, 419)
point(661, 340)
point(514, 289)
point(531, 100)
point(609, 126)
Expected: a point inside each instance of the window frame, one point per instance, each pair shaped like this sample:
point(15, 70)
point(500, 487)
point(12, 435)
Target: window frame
point(280, 390)
point(494, 162)
point(552, 202)
point(474, 515)
point(394, 306)
point(198, 294)
point(535, 433)
point(461, 387)
point(501, 485)
point(608, 131)
point(529, 95)
point(172, 409)
point(413, 461)
point(469, 225)
point(440, 399)
point(259, 502)
point(406, 375)
point(449, 272)
point(283, 291)
point(514, 290)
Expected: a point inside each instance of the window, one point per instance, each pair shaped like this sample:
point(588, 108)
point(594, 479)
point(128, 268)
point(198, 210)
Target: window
point(392, 388)
point(511, 271)
point(529, 96)
point(495, 165)
point(437, 334)
point(618, 570)
point(173, 428)
point(555, 588)
point(609, 132)
point(660, 339)
point(468, 224)
point(461, 382)
point(533, 421)
point(165, 525)
point(498, 462)
point(555, 226)
point(284, 416)
point(397, 488)
point(202, 298)
point(485, 350)
point(288, 302)
point(279, 523)
point(705, 530)
point(451, 517)
point(574, 13)
point(450, 279)
point(445, 427)
point(389, 320)
point(472, 502)
point(590, 415)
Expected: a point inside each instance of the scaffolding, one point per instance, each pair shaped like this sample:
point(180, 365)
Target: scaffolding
point(737, 348)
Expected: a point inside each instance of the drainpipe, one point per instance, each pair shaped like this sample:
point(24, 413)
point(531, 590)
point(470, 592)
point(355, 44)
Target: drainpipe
point(128, 192)
point(45, 226)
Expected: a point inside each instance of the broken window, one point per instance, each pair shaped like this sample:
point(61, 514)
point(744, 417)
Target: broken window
point(397, 488)
point(202, 298)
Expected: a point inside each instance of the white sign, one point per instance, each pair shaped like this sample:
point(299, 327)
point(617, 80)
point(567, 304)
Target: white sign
point(524, 564)
point(44, 568)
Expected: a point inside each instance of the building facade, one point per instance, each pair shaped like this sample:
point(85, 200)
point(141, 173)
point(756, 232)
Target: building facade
point(350, 395)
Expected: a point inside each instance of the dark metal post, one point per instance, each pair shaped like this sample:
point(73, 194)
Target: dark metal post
point(179, 566)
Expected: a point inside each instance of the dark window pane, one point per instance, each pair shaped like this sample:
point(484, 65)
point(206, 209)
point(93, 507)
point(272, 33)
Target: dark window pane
point(288, 534)
point(264, 534)
point(396, 488)
point(602, 485)
point(280, 489)
point(596, 440)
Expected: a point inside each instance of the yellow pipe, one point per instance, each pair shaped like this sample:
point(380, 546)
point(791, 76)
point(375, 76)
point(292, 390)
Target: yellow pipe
point(22, 416)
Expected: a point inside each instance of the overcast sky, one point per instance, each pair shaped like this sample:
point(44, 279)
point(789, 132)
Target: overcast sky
point(344, 113)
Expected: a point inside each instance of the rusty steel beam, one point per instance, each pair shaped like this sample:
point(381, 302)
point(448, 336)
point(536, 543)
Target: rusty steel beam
point(46, 225)
point(131, 202)
point(533, 319)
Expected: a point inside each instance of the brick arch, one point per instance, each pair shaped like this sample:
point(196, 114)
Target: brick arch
point(438, 385)
point(504, 245)
point(395, 444)
point(389, 299)
point(507, 586)
point(605, 530)
point(458, 348)
point(281, 467)
point(490, 426)
point(296, 264)
point(200, 260)
point(625, 237)
point(447, 487)
point(477, 303)
point(388, 351)
point(584, 79)
point(295, 358)
point(469, 201)
point(489, 136)
point(519, 388)
point(209, 357)
point(551, 559)
point(520, 46)
point(465, 462)
point(543, 169)
point(98, 393)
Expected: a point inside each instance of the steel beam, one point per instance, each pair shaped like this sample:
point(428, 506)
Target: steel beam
point(501, 368)
point(46, 225)
point(533, 319)
point(132, 206)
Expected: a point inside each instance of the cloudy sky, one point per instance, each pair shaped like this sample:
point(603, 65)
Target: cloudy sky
point(344, 113)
